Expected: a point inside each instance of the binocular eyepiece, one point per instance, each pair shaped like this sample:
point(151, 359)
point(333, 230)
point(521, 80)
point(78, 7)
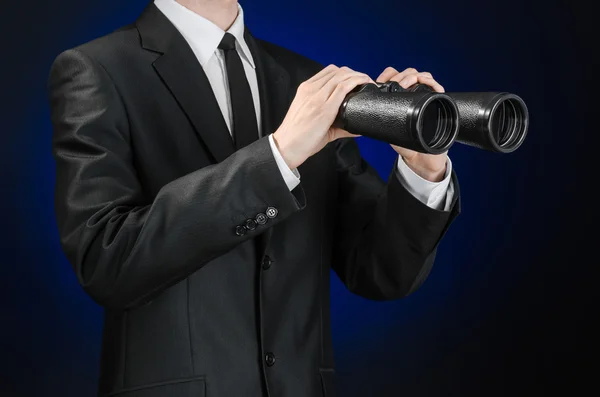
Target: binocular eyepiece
point(420, 119)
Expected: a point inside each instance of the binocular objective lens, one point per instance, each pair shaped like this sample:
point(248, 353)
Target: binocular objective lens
point(438, 123)
point(508, 122)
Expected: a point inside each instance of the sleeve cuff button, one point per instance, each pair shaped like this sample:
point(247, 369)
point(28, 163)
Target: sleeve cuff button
point(261, 219)
point(250, 224)
point(272, 212)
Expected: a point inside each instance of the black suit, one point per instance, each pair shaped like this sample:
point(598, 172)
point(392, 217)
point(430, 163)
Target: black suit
point(149, 193)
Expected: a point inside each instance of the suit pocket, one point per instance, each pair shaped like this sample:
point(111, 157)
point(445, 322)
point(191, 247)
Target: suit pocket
point(328, 381)
point(188, 387)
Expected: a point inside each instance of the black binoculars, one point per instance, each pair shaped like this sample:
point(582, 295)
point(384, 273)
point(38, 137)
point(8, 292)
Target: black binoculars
point(421, 119)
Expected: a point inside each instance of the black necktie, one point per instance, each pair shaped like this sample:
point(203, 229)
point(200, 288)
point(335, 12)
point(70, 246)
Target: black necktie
point(245, 129)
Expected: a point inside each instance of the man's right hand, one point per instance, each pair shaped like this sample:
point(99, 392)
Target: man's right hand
point(307, 127)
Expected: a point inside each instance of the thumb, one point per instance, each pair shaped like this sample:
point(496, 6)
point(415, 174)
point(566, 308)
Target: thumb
point(407, 154)
point(337, 133)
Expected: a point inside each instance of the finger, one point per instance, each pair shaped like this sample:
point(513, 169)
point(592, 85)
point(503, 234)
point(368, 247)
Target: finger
point(318, 83)
point(344, 87)
point(387, 74)
point(342, 75)
point(315, 83)
point(323, 72)
point(406, 72)
point(323, 85)
point(421, 79)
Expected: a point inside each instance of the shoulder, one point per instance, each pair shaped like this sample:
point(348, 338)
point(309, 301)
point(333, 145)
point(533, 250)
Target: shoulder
point(123, 39)
point(115, 47)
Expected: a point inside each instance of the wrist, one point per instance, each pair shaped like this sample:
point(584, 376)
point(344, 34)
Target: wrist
point(286, 149)
point(430, 174)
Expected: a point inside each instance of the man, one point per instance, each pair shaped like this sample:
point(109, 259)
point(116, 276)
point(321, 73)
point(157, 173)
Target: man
point(202, 197)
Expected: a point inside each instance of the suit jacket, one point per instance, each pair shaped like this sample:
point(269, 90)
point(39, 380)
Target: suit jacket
point(149, 196)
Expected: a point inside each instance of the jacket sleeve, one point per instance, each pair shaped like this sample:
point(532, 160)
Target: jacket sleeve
point(385, 239)
point(126, 247)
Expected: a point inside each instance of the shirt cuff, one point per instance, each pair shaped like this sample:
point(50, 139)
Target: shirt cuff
point(436, 195)
point(291, 177)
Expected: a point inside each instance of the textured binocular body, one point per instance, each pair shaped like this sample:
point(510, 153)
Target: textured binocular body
point(420, 119)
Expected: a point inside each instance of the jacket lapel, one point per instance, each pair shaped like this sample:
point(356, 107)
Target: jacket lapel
point(183, 75)
point(273, 85)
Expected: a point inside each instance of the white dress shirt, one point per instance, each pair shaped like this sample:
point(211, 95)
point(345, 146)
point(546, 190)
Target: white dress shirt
point(204, 37)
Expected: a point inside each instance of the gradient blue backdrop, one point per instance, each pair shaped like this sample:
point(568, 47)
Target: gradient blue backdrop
point(509, 307)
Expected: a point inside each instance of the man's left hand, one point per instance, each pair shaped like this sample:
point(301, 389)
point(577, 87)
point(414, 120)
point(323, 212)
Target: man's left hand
point(431, 167)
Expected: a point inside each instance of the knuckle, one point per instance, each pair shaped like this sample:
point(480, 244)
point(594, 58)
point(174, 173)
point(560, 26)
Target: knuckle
point(340, 87)
point(304, 87)
point(313, 107)
point(390, 69)
point(349, 84)
point(411, 70)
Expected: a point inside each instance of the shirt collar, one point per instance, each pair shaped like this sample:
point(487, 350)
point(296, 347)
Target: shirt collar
point(202, 35)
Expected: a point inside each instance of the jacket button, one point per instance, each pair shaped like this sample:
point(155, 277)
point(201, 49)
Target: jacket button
point(261, 219)
point(270, 359)
point(272, 212)
point(240, 230)
point(250, 224)
point(267, 262)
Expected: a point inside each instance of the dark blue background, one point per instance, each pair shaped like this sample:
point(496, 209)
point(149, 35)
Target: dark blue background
point(509, 307)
